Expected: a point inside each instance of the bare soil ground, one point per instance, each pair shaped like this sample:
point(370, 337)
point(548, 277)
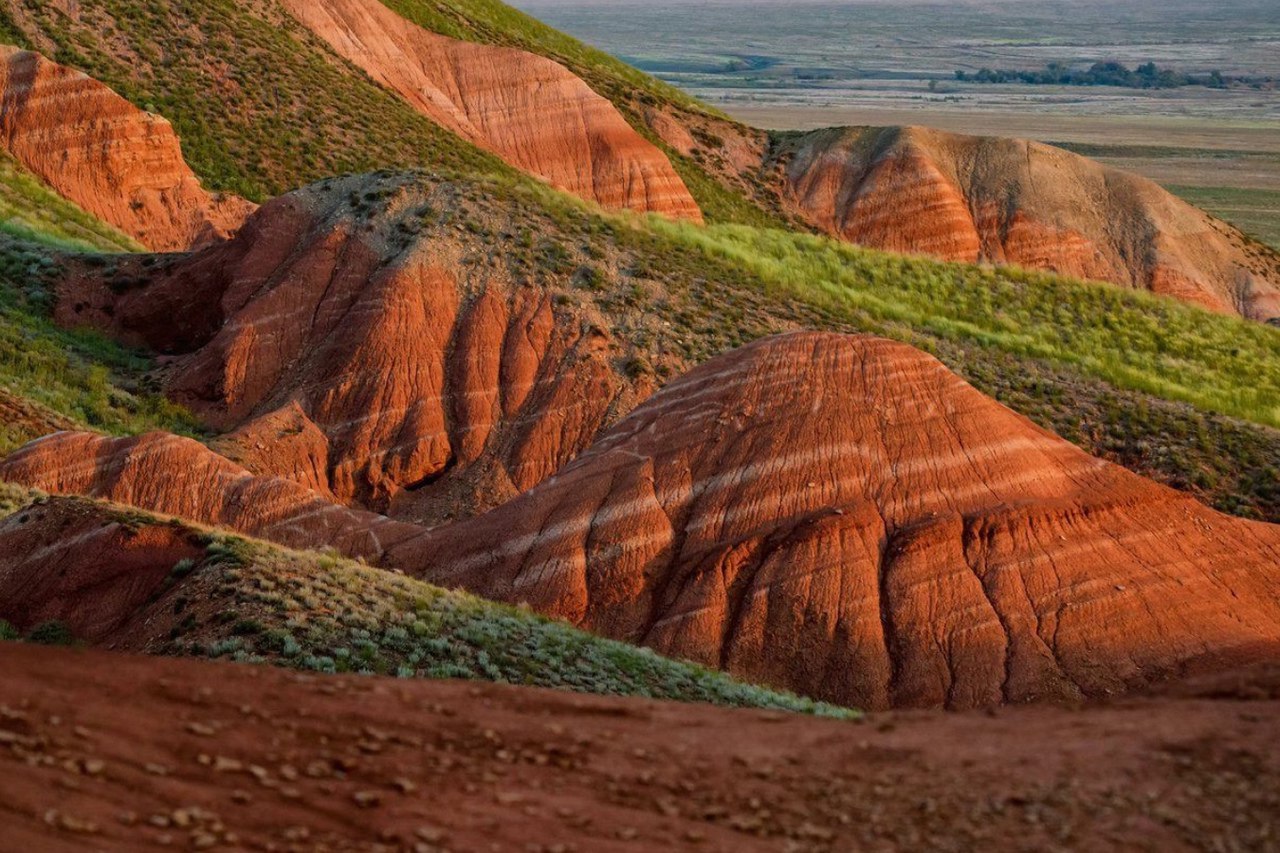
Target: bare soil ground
point(110, 752)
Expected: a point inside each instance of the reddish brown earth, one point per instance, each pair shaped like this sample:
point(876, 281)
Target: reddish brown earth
point(85, 566)
point(96, 149)
point(1010, 201)
point(845, 517)
point(356, 347)
point(527, 109)
point(841, 516)
point(180, 477)
point(109, 752)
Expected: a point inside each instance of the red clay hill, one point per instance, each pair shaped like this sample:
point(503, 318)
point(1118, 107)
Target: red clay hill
point(96, 149)
point(348, 339)
point(845, 517)
point(837, 515)
point(1010, 201)
point(530, 111)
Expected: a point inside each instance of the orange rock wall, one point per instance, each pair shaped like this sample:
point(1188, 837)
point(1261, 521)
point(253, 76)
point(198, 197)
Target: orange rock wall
point(530, 111)
point(96, 149)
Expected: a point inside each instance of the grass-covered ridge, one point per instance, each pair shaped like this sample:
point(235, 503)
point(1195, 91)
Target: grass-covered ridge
point(256, 603)
point(1128, 338)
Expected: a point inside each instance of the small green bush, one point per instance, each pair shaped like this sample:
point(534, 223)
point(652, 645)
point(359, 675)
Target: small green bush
point(52, 633)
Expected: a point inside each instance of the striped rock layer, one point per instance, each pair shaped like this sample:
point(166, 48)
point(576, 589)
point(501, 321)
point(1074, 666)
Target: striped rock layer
point(1010, 201)
point(363, 358)
point(841, 516)
point(117, 162)
point(847, 518)
point(180, 477)
point(530, 111)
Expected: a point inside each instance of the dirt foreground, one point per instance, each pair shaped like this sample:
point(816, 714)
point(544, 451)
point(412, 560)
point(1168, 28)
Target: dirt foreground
point(107, 752)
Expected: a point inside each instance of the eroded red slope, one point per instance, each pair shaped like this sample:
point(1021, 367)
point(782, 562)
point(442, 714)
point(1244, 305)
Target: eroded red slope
point(529, 110)
point(842, 516)
point(1011, 201)
point(358, 348)
point(96, 149)
point(846, 517)
point(178, 476)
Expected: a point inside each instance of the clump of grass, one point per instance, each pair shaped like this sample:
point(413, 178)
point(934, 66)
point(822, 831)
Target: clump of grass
point(52, 633)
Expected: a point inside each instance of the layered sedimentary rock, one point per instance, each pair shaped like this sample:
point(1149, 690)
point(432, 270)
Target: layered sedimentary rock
point(358, 352)
point(846, 517)
point(530, 111)
point(96, 149)
point(178, 476)
point(1010, 201)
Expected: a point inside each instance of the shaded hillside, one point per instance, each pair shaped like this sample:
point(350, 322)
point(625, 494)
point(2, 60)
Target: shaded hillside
point(1009, 201)
point(55, 378)
point(133, 582)
point(209, 754)
point(100, 152)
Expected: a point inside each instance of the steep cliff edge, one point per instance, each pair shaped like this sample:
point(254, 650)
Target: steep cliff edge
point(117, 162)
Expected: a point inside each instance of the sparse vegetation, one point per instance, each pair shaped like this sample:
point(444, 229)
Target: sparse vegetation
point(75, 375)
point(51, 633)
point(252, 602)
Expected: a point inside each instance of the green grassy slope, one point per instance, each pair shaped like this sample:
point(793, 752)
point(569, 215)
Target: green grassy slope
point(1130, 339)
point(31, 211)
point(1256, 212)
point(70, 377)
point(253, 602)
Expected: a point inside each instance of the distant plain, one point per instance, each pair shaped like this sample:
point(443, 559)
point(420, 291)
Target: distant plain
point(814, 63)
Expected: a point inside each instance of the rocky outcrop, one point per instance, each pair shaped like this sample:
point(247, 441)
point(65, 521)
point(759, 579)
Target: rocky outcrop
point(96, 149)
point(360, 352)
point(530, 111)
point(180, 477)
point(845, 517)
point(1010, 201)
